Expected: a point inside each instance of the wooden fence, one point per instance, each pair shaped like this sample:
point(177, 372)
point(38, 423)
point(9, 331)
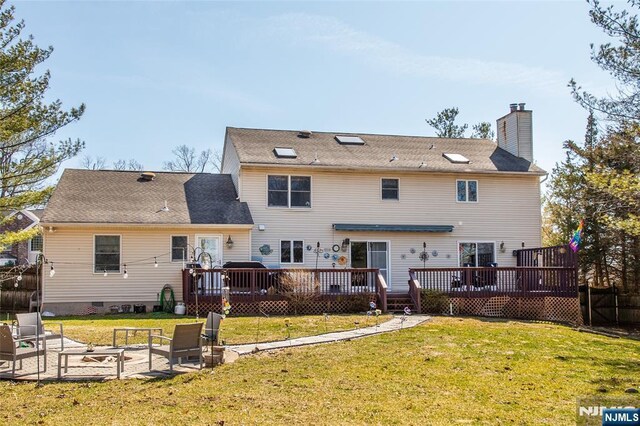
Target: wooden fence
point(605, 306)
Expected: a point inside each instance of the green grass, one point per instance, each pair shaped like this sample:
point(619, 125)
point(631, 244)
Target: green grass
point(447, 371)
point(234, 330)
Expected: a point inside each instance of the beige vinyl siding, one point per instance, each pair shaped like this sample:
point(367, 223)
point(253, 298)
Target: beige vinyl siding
point(515, 134)
point(231, 164)
point(525, 135)
point(508, 209)
point(71, 251)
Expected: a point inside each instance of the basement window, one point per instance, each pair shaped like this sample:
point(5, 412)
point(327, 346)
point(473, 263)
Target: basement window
point(456, 158)
point(285, 153)
point(349, 140)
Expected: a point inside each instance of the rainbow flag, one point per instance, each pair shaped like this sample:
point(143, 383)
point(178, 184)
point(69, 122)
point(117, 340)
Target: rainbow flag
point(577, 237)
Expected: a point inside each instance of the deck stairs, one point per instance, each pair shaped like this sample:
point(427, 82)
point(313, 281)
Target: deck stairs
point(396, 302)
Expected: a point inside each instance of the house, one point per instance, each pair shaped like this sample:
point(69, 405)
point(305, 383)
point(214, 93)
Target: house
point(334, 199)
point(333, 202)
point(24, 252)
point(117, 237)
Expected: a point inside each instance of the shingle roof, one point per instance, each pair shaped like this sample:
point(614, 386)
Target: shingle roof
point(104, 196)
point(37, 212)
point(255, 147)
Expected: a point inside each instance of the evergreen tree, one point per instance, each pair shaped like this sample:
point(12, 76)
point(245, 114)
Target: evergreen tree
point(445, 124)
point(621, 59)
point(27, 124)
point(483, 131)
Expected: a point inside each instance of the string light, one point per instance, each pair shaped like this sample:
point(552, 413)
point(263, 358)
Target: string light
point(52, 271)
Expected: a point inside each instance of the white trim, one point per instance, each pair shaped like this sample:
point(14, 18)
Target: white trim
point(34, 219)
point(476, 242)
point(184, 253)
point(220, 247)
point(93, 257)
point(250, 244)
point(288, 206)
point(292, 262)
point(466, 191)
point(389, 199)
point(360, 169)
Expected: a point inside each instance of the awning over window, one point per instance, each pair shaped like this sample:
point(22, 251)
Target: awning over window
point(391, 228)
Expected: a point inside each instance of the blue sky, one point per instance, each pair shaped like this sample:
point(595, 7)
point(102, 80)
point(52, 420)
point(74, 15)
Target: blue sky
point(158, 74)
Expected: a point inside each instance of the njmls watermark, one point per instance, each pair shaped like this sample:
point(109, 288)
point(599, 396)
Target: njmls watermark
point(608, 411)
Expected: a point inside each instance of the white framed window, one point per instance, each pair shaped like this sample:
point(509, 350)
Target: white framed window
point(390, 189)
point(466, 191)
point(36, 243)
point(292, 251)
point(179, 248)
point(106, 253)
point(289, 191)
point(476, 253)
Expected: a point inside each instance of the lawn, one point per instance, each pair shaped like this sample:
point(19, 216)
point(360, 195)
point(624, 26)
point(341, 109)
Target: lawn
point(448, 371)
point(99, 329)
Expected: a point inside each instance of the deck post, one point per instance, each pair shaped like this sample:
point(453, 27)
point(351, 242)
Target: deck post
point(414, 291)
point(382, 291)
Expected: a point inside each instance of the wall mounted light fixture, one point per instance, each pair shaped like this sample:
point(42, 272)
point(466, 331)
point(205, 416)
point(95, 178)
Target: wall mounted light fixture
point(229, 242)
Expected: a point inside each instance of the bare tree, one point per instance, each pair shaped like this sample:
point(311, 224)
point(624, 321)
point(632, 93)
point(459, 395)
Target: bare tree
point(89, 163)
point(127, 165)
point(186, 160)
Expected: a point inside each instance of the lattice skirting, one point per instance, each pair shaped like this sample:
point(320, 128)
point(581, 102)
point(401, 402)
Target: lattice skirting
point(560, 309)
point(345, 304)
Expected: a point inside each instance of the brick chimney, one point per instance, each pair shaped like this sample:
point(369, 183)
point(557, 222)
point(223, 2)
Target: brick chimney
point(515, 132)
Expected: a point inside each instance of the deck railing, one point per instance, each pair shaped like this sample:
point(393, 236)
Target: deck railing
point(483, 282)
point(274, 284)
point(414, 292)
point(555, 256)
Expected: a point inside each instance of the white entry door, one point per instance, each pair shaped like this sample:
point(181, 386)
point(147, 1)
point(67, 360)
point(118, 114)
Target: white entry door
point(210, 244)
point(379, 258)
point(371, 254)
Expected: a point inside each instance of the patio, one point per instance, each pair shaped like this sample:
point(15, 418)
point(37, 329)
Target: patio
point(136, 364)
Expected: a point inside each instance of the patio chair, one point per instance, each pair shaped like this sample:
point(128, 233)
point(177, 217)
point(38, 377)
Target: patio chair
point(186, 342)
point(10, 350)
point(33, 302)
point(212, 328)
point(28, 323)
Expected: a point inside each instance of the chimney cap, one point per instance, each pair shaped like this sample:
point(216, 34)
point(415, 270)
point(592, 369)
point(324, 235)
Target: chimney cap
point(513, 107)
point(521, 106)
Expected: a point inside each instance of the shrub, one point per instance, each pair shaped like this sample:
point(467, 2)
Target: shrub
point(300, 288)
point(433, 301)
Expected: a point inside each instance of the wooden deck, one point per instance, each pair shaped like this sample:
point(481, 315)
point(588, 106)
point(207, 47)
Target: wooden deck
point(252, 286)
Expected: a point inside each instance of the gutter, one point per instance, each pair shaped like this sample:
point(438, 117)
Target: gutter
point(412, 170)
point(143, 225)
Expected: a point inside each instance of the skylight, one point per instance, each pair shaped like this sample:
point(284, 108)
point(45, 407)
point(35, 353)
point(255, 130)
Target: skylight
point(349, 140)
point(285, 153)
point(456, 158)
